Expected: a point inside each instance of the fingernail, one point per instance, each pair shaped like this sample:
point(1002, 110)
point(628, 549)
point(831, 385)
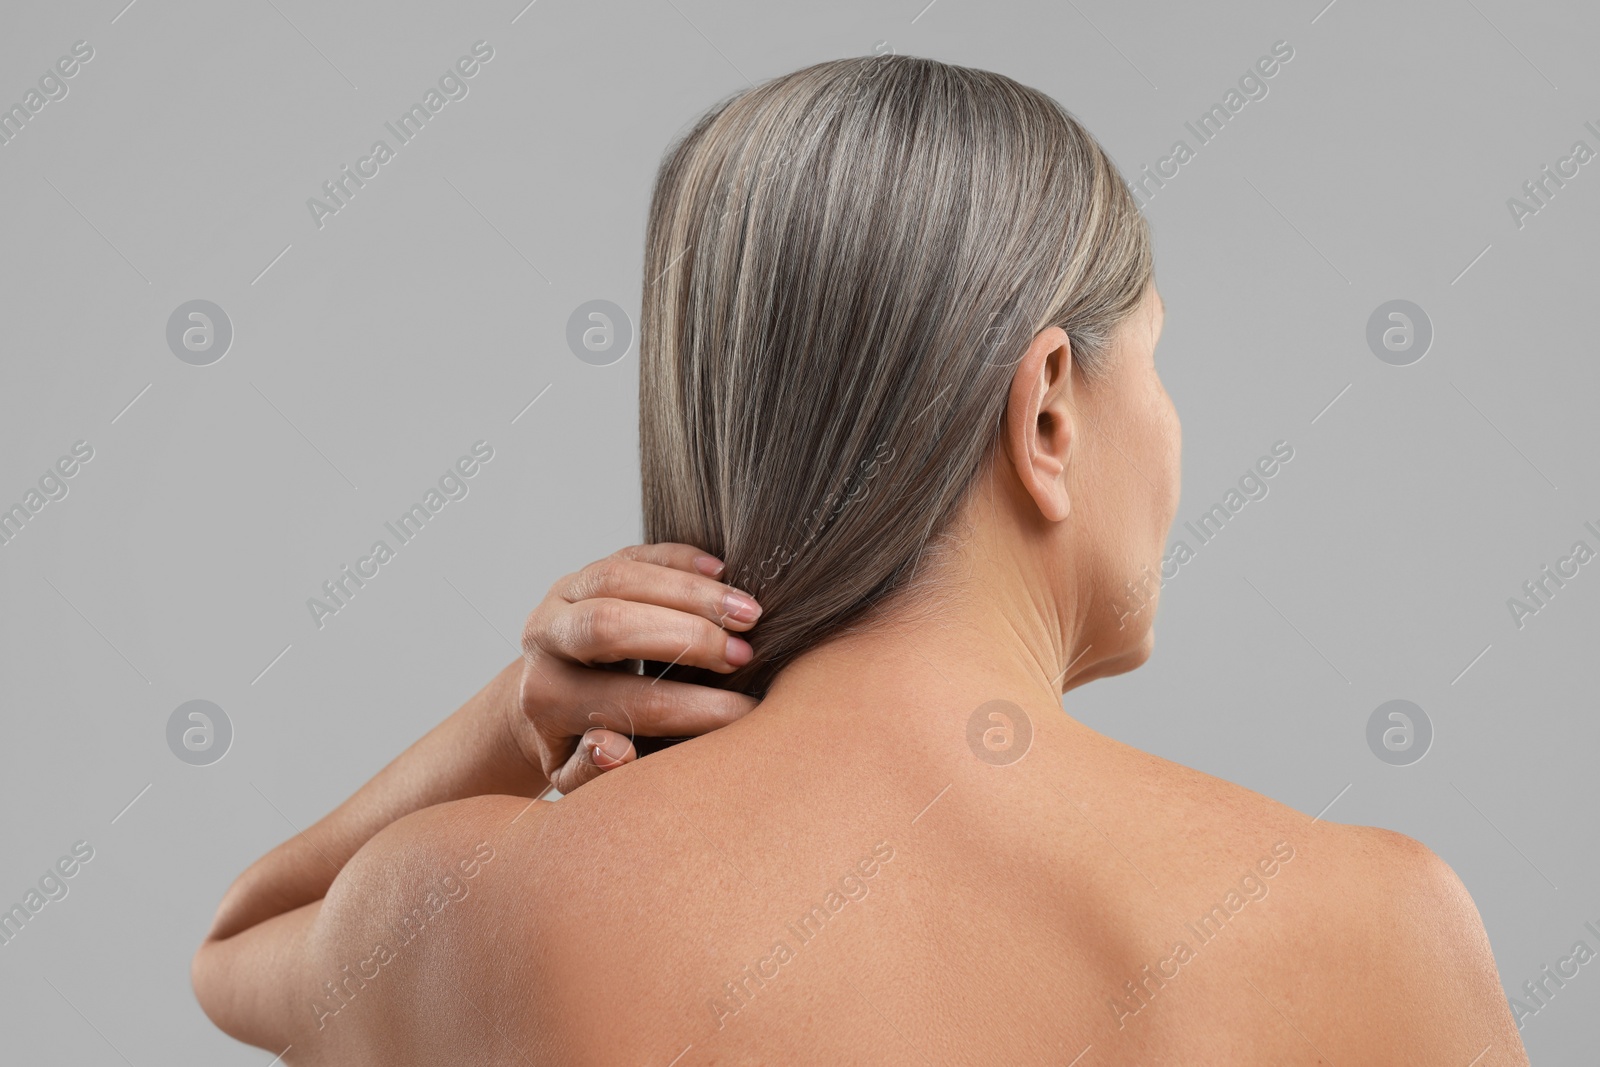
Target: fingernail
point(739, 651)
point(740, 607)
point(598, 754)
point(708, 565)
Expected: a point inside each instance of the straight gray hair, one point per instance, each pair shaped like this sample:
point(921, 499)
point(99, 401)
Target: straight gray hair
point(843, 266)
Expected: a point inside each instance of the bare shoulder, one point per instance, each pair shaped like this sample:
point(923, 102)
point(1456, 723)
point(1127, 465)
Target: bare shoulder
point(1362, 923)
point(401, 925)
point(434, 851)
point(1397, 942)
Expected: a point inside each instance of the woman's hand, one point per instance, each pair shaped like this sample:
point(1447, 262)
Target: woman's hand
point(657, 602)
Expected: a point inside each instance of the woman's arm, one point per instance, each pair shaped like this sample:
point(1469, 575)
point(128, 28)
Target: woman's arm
point(547, 717)
point(281, 982)
point(471, 753)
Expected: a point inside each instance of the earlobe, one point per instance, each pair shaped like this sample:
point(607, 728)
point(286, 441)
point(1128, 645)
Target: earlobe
point(1040, 422)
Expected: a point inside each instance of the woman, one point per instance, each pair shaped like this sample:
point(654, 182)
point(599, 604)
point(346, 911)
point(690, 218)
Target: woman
point(897, 378)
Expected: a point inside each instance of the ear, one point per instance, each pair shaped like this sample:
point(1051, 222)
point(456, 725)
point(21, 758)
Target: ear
point(1039, 423)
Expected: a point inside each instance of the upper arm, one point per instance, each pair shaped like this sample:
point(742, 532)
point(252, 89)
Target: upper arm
point(343, 969)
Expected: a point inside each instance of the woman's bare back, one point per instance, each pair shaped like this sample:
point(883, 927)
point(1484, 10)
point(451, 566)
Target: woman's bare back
point(785, 890)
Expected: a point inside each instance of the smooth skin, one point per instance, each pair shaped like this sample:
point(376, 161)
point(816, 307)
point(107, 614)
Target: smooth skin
point(845, 875)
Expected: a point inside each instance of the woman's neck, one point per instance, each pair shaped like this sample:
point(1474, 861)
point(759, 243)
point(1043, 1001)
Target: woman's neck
point(897, 674)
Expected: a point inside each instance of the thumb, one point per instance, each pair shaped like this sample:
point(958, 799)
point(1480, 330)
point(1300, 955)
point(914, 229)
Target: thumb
point(597, 751)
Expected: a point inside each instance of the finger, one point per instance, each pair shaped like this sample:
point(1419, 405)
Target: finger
point(673, 554)
point(598, 751)
point(607, 749)
point(567, 700)
point(664, 586)
point(604, 629)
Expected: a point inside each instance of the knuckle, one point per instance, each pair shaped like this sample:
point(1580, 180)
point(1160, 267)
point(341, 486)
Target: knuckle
point(699, 594)
point(656, 706)
point(716, 594)
point(599, 579)
point(580, 585)
point(706, 636)
point(606, 623)
point(559, 587)
point(533, 628)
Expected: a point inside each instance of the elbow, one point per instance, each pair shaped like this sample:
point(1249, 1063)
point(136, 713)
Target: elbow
point(244, 971)
point(206, 979)
point(219, 971)
point(208, 970)
point(222, 986)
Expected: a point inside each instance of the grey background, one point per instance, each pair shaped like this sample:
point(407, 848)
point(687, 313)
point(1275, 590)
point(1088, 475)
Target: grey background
point(429, 313)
